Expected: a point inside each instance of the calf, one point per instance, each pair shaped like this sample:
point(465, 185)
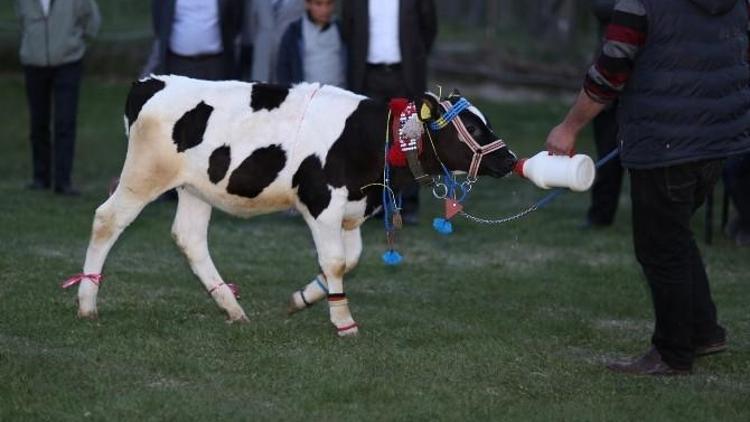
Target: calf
point(255, 148)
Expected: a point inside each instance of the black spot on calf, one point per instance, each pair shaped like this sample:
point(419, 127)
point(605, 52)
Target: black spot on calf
point(218, 164)
point(356, 158)
point(257, 171)
point(313, 189)
point(267, 96)
point(188, 131)
point(140, 93)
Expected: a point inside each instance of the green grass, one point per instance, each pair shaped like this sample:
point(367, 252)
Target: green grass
point(507, 322)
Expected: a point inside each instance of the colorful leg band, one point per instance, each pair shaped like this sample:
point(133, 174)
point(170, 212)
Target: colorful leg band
point(304, 300)
point(336, 296)
point(321, 284)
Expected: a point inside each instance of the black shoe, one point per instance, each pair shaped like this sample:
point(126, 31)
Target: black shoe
point(730, 230)
point(67, 190)
point(742, 237)
point(711, 348)
point(37, 185)
point(589, 224)
point(650, 363)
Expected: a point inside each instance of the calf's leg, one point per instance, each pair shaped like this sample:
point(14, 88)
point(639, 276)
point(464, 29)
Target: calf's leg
point(329, 242)
point(110, 219)
point(190, 231)
point(151, 168)
point(317, 289)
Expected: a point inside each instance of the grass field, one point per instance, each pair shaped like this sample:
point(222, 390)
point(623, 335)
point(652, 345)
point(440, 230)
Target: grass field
point(507, 322)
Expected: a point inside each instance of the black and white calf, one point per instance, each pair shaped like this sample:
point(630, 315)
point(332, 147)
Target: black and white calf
point(250, 149)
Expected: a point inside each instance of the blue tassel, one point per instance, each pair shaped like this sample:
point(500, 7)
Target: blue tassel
point(392, 257)
point(442, 226)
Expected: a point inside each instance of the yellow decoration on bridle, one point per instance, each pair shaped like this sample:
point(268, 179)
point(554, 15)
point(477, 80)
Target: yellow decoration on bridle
point(425, 113)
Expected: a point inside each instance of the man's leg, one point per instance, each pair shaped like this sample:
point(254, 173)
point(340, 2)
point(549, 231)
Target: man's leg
point(707, 333)
point(38, 95)
point(663, 202)
point(67, 82)
point(737, 184)
point(605, 193)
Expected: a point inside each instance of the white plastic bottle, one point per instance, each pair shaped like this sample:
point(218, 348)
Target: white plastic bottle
point(552, 171)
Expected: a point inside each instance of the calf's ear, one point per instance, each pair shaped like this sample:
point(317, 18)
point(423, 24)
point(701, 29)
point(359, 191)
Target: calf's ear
point(429, 109)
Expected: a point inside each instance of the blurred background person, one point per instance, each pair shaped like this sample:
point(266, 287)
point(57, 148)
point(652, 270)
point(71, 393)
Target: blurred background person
point(196, 38)
point(737, 183)
point(312, 49)
point(388, 42)
point(605, 193)
point(255, 41)
point(53, 44)
point(152, 61)
point(284, 12)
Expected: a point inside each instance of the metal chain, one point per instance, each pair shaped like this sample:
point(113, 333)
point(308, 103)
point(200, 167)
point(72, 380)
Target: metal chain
point(540, 204)
point(499, 220)
point(536, 206)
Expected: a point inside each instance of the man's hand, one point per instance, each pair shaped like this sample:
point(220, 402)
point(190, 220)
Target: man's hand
point(561, 140)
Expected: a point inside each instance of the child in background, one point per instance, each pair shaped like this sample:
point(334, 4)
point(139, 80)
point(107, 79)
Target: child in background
point(311, 49)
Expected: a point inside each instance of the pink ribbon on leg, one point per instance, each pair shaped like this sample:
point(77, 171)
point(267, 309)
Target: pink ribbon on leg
point(76, 279)
point(233, 287)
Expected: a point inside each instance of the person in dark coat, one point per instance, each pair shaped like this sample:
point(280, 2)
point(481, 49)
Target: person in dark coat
point(680, 71)
point(393, 62)
point(605, 193)
point(196, 38)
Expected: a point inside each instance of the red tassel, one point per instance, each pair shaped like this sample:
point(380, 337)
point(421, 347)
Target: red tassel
point(397, 105)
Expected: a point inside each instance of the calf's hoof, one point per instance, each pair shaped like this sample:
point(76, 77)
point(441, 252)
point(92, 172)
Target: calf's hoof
point(348, 330)
point(241, 319)
point(293, 306)
point(89, 315)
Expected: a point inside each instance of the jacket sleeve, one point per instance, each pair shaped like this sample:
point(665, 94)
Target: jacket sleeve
point(19, 16)
point(428, 23)
point(284, 60)
point(346, 21)
point(155, 17)
point(91, 17)
point(237, 8)
point(603, 10)
point(262, 17)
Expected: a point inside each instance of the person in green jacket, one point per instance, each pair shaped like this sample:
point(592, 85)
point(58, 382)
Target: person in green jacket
point(53, 43)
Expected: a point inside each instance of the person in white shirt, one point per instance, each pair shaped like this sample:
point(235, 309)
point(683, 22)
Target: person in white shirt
point(388, 42)
point(196, 38)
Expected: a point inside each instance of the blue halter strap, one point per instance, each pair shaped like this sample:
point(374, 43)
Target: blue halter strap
point(450, 114)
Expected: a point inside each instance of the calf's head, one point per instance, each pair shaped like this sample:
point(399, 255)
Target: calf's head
point(463, 138)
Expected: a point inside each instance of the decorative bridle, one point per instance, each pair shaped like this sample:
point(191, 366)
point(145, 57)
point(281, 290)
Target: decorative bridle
point(451, 115)
point(408, 128)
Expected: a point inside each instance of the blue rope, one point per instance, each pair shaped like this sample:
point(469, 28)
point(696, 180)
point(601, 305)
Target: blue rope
point(390, 203)
point(321, 285)
point(453, 186)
